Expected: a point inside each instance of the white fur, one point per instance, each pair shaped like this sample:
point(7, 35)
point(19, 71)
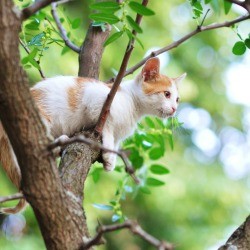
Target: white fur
point(130, 104)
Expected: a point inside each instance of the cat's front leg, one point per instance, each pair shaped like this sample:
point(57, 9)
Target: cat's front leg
point(109, 159)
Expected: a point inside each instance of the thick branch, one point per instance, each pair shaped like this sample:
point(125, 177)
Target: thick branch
point(240, 239)
point(106, 107)
point(134, 228)
point(60, 217)
point(96, 146)
point(62, 30)
point(183, 39)
point(91, 51)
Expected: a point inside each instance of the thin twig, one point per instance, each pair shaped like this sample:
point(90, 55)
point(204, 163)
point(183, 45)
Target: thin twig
point(36, 6)
point(63, 32)
point(96, 146)
point(204, 18)
point(134, 228)
point(28, 52)
point(106, 107)
point(183, 39)
point(11, 197)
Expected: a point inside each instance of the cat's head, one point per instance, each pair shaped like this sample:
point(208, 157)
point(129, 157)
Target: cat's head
point(160, 92)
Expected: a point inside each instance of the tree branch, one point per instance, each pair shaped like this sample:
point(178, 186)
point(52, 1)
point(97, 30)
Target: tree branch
point(36, 6)
point(11, 197)
point(96, 146)
point(62, 30)
point(59, 216)
point(106, 107)
point(91, 51)
point(240, 239)
point(28, 52)
point(183, 39)
point(134, 228)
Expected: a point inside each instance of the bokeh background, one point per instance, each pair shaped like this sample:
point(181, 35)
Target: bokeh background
point(206, 195)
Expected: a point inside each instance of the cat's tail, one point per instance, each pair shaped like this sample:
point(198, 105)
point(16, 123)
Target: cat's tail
point(9, 164)
point(13, 210)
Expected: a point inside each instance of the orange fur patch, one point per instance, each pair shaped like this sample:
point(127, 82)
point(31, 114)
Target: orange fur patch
point(38, 96)
point(74, 93)
point(160, 84)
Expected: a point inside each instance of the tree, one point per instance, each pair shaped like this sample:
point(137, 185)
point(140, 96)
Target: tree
point(50, 196)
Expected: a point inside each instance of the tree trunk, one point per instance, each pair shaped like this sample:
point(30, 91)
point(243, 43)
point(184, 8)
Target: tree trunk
point(59, 215)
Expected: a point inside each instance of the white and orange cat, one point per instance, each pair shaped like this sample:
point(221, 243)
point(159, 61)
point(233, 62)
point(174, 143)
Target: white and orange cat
point(69, 104)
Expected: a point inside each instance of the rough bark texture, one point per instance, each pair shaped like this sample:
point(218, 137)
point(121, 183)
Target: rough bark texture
point(77, 158)
point(240, 239)
point(73, 170)
point(60, 217)
point(91, 52)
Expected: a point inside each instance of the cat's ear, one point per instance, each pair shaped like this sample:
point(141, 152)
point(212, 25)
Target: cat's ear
point(151, 69)
point(179, 79)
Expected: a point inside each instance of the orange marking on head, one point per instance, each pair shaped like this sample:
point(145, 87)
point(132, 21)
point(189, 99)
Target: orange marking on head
point(39, 96)
point(160, 84)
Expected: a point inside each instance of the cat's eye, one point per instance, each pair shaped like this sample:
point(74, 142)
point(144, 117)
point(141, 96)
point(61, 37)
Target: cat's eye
point(177, 99)
point(167, 94)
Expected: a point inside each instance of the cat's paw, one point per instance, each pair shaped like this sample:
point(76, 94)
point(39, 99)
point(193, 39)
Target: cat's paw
point(62, 139)
point(108, 161)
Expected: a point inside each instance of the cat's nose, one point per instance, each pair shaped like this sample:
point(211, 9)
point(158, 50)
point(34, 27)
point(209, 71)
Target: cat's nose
point(173, 109)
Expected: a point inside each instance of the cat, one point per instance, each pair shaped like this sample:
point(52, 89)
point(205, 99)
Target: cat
point(68, 104)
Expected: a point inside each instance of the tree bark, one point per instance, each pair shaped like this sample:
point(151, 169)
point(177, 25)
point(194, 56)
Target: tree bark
point(240, 239)
point(91, 52)
point(59, 215)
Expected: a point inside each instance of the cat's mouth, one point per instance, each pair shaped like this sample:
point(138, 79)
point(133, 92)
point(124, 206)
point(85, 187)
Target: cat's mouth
point(165, 114)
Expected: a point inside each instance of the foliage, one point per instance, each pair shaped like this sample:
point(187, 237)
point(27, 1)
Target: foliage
point(181, 187)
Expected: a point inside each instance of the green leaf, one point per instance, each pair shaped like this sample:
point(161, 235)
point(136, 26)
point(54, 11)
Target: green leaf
point(103, 207)
point(136, 159)
point(171, 141)
point(96, 174)
point(141, 9)
point(33, 53)
point(149, 122)
point(133, 24)
point(155, 153)
point(145, 190)
point(154, 182)
point(65, 50)
point(37, 39)
point(239, 48)
point(198, 6)
point(32, 25)
point(130, 35)
point(139, 41)
point(247, 42)
point(76, 23)
point(34, 63)
point(113, 37)
point(159, 169)
point(109, 7)
point(227, 6)
point(25, 60)
point(104, 17)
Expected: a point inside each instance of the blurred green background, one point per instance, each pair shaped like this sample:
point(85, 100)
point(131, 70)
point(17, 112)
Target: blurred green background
point(206, 195)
